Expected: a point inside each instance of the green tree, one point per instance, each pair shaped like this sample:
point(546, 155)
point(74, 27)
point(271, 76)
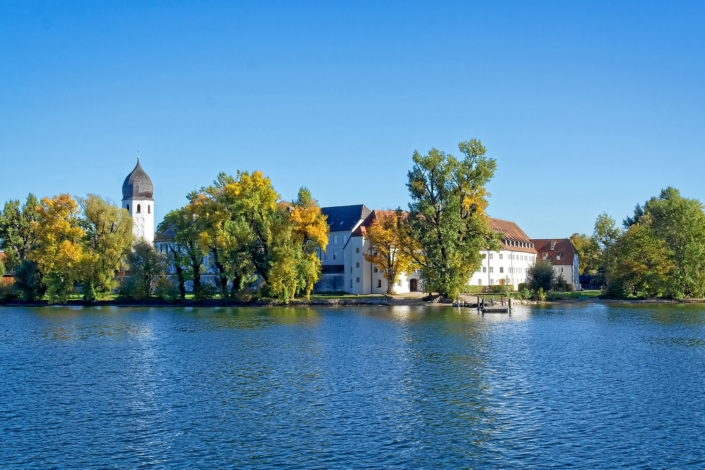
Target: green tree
point(588, 253)
point(28, 281)
point(447, 215)
point(146, 267)
point(108, 236)
point(17, 230)
point(185, 250)
point(223, 231)
point(541, 276)
point(642, 266)
point(605, 235)
point(680, 224)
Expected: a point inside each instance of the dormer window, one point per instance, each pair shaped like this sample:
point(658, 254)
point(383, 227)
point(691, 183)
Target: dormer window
point(558, 256)
point(553, 246)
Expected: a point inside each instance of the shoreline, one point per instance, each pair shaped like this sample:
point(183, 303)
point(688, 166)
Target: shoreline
point(365, 301)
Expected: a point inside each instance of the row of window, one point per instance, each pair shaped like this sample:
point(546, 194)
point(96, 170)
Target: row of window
point(139, 209)
point(324, 256)
point(512, 256)
point(479, 282)
point(510, 269)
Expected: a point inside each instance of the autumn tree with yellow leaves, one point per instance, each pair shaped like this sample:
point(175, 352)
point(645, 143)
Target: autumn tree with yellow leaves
point(310, 234)
point(447, 215)
point(254, 237)
point(60, 253)
point(390, 247)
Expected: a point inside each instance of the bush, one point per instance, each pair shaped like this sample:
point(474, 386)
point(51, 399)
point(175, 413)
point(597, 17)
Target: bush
point(472, 289)
point(28, 281)
point(133, 289)
point(551, 296)
point(7, 293)
point(503, 290)
point(560, 285)
point(166, 290)
point(525, 294)
point(205, 292)
point(569, 288)
point(540, 276)
point(540, 294)
point(523, 286)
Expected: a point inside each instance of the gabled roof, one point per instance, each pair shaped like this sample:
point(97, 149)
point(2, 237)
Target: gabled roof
point(513, 238)
point(561, 246)
point(344, 218)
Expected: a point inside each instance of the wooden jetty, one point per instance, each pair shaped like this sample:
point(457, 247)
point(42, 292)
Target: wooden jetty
point(491, 306)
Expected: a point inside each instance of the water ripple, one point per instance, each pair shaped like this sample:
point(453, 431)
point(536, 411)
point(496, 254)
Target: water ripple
point(584, 386)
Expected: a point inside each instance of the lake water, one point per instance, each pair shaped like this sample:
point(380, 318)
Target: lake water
point(585, 385)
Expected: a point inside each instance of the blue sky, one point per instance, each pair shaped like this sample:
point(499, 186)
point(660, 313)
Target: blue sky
point(587, 106)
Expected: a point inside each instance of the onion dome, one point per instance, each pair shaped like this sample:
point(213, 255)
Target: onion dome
point(137, 185)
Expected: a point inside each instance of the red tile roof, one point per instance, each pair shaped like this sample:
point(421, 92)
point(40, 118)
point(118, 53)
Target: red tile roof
point(513, 237)
point(561, 246)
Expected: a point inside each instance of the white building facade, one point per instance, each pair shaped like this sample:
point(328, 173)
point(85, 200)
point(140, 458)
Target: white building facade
point(342, 221)
point(508, 266)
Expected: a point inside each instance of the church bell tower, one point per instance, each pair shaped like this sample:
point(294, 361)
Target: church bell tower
point(137, 198)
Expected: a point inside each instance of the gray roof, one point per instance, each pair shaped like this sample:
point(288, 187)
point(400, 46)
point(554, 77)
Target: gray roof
point(344, 218)
point(167, 235)
point(137, 185)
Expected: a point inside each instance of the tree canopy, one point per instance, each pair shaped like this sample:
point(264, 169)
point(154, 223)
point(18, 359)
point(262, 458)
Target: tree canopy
point(447, 215)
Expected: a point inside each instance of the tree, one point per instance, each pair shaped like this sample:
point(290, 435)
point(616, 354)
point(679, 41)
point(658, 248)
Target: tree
point(28, 281)
point(540, 276)
point(224, 232)
point(59, 254)
point(17, 230)
point(447, 215)
point(251, 232)
point(146, 267)
point(2, 268)
point(387, 238)
point(310, 233)
point(185, 250)
point(680, 224)
point(108, 238)
point(642, 266)
point(588, 253)
point(634, 219)
point(605, 235)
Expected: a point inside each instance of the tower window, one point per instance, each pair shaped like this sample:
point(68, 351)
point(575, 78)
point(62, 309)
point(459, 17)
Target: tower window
point(149, 209)
point(128, 208)
point(139, 209)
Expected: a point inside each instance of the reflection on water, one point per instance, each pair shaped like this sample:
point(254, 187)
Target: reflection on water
point(589, 385)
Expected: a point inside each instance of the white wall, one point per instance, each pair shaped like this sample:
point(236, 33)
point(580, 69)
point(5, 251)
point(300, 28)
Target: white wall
point(143, 223)
point(499, 265)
